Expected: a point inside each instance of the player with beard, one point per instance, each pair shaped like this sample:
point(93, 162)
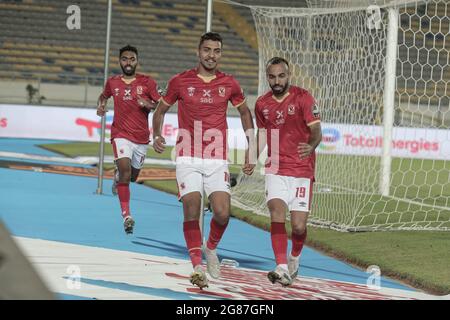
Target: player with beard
point(203, 94)
point(288, 122)
point(135, 95)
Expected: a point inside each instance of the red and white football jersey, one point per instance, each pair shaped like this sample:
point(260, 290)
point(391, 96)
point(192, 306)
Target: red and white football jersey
point(202, 108)
point(131, 120)
point(292, 116)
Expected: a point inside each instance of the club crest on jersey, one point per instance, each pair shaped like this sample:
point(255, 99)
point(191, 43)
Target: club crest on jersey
point(291, 109)
point(280, 118)
point(265, 113)
point(315, 111)
point(191, 91)
point(222, 91)
point(139, 89)
point(116, 91)
point(206, 97)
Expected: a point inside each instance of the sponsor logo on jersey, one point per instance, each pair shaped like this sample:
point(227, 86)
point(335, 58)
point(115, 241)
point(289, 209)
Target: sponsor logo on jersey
point(206, 97)
point(191, 91)
point(280, 118)
point(127, 95)
point(222, 91)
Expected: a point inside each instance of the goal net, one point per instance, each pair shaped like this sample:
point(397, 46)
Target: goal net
point(379, 71)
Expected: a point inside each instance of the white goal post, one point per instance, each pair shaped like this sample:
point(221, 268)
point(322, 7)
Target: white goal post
point(380, 72)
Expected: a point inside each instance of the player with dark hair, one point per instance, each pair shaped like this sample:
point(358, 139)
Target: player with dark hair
point(135, 95)
point(203, 94)
point(288, 122)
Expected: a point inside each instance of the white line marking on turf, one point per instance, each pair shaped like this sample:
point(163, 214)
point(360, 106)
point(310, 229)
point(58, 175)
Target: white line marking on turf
point(114, 274)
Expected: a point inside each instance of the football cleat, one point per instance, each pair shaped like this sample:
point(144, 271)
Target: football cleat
point(293, 264)
point(281, 276)
point(212, 262)
point(128, 225)
point(198, 277)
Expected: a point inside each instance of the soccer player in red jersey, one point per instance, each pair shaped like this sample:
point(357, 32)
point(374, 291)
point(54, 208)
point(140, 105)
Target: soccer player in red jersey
point(203, 94)
point(135, 95)
point(288, 121)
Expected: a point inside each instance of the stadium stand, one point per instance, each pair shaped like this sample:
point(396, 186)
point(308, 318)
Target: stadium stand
point(42, 49)
point(168, 29)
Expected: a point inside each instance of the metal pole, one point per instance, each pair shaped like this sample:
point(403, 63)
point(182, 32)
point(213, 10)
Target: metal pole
point(86, 83)
point(209, 7)
point(105, 78)
point(388, 100)
point(209, 13)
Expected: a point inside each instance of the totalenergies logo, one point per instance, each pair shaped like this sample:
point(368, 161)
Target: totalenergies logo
point(330, 136)
point(95, 125)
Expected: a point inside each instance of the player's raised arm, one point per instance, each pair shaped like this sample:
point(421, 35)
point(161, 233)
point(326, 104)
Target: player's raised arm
point(158, 120)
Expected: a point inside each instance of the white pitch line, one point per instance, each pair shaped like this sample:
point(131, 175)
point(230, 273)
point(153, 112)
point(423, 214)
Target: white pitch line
point(115, 274)
point(77, 160)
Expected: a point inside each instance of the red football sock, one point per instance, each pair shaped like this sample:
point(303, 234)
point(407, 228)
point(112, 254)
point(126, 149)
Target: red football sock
point(279, 241)
point(215, 234)
point(297, 243)
point(123, 190)
point(193, 237)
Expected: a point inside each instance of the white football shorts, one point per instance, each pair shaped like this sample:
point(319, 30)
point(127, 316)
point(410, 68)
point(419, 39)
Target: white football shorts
point(295, 192)
point(124, 148)
point(195, 174)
